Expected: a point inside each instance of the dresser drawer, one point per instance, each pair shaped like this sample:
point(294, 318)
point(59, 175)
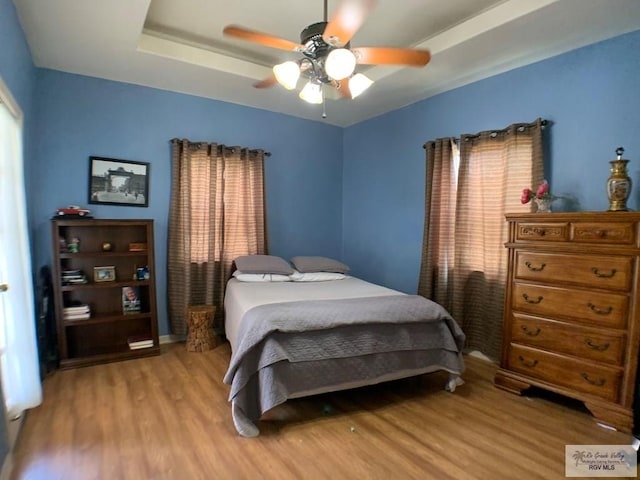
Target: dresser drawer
point(621, 233)
point(599, 271)
point(567, 338)
point(598, 380)
point(603, 309)
point(548, 232)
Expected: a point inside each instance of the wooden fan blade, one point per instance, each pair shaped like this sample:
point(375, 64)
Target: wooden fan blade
point(267, 82)
point(346, 20)
point(342, 87)
point(262, 38)
point(391, 56)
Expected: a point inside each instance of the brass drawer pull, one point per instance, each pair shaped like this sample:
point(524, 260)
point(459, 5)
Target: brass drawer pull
point(598, 383)
point(600, 311)
point(597, 273)
point(598, 233)
point(599, 348)
point(527, 364)
point(528, 300)
point(535, 269)
point(531, 333)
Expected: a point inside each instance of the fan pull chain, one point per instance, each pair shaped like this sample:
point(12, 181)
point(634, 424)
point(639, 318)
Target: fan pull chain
point(324, 104)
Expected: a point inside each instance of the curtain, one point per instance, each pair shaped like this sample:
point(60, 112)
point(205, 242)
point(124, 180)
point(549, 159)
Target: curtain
point(18, 348)
point(436, 277)
point(494, 168)
point(217, 213)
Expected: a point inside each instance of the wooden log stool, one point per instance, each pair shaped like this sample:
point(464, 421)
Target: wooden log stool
point(200, 337)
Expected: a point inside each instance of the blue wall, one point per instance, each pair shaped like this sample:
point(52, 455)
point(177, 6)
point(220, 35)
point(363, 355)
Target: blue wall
point(355, 193)
point(18, 73)
point(80, 116)
point(16, 67)
point(591, 96)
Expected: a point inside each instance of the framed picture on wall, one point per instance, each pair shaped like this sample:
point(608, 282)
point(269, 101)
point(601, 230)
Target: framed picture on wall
point(118, 182)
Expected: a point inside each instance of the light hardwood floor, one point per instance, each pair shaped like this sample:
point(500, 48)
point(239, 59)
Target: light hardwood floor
point(167, 417)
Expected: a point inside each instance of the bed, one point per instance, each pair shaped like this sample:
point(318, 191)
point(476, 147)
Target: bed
point(291, 339)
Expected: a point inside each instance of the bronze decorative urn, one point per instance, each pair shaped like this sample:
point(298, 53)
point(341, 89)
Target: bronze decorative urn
point(619, 183)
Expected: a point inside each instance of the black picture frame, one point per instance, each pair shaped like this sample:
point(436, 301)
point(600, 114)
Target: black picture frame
point(118, 182)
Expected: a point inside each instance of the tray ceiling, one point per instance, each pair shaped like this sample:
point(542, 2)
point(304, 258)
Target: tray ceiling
point(179, 46)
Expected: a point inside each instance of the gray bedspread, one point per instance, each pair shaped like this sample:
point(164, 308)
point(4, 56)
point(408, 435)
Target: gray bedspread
point(297, 348)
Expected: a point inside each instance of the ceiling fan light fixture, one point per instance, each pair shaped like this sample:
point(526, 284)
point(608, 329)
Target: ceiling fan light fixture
point(358, 84)
point(340, 63)
point(311, 93)
point(287, 74)
point(327, 58)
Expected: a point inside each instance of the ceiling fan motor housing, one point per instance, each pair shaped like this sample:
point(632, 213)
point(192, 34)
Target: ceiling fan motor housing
point(311, 38)
point(316, 49)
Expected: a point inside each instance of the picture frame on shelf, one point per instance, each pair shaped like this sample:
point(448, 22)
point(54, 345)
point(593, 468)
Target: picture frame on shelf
point(104, 274)
point(118, 182)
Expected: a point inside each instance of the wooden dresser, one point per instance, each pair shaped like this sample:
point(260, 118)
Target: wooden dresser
point(572, 320)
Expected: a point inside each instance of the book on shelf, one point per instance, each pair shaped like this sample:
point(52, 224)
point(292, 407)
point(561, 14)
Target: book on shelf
point(140, 341)
point(138, 347)
point(69, 271)
point(76, 311)
point(72, 277)
point(77, 316)
point(82, 308)
point(130, 300)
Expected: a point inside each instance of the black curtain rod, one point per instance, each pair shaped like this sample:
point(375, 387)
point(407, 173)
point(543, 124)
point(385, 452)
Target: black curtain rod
point(494, 132)
point(266, 154)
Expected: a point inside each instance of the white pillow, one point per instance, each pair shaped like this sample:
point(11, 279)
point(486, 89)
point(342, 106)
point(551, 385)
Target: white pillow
point(297, 276)
point(260, 277)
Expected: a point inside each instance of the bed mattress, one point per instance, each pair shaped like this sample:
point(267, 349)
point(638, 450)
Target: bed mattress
point(240, 297)
point(293, 339)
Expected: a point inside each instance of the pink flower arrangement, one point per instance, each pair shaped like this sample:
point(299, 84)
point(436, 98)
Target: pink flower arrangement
point(541, 193)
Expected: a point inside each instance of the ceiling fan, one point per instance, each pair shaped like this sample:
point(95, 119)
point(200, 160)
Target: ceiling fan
point(327, 56)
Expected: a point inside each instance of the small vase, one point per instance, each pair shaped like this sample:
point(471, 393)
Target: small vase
point(543, 204)
point(618, 184)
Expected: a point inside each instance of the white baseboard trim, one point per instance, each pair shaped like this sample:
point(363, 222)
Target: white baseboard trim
point(164, 339)
point(480, 355)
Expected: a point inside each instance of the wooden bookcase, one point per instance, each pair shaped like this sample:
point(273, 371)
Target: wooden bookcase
point(105, 335)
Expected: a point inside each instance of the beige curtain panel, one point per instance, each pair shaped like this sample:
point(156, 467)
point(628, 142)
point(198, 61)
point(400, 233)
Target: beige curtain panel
point(494, 168)
point(436, 273)
point(217, 213)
